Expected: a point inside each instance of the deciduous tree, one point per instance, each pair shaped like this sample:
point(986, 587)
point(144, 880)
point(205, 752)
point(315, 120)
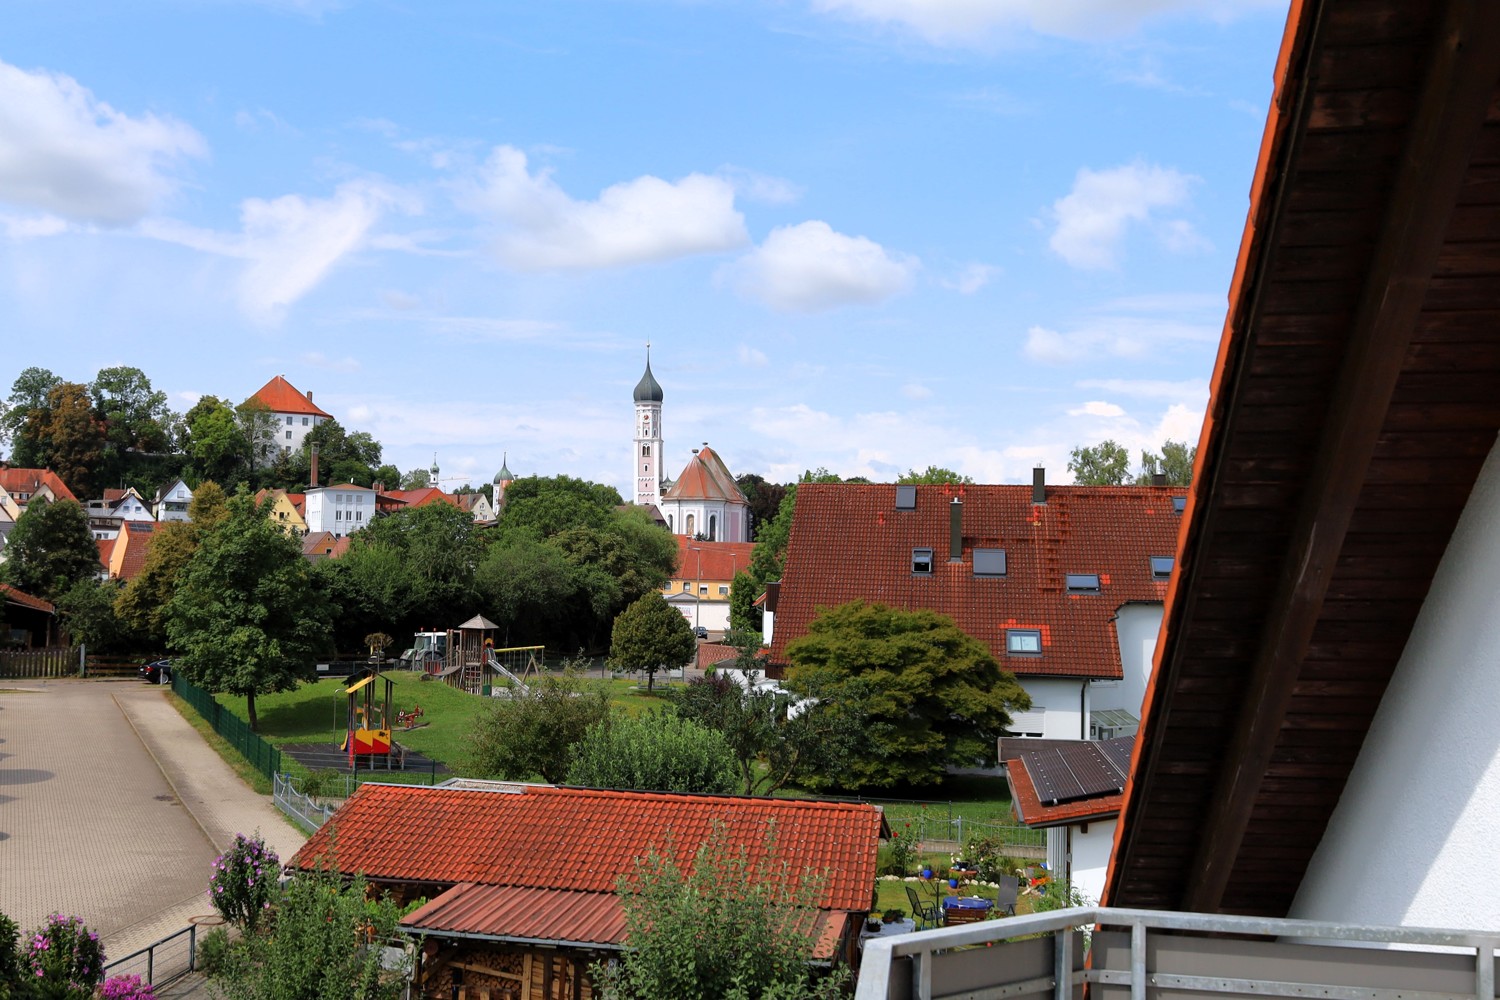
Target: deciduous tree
point(28, 392)
point(926, 694)
point(1105, 464)
point(651, 635)
point(88, 616)
point(141, 606)
point(532, 734)
point(933, 475)
point(1174, 461)
point(68, 437)
point(246, 618)
point(655, 752)
point(214, 441)
point(50, 549)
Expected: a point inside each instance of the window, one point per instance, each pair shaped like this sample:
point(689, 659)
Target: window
point(702, 588)
point(359, 515)
point(289, 423)
point(1179, 504)
point(645, 451)
point(906, 498)
point(713, 527)
point(1023, 641)
point(1161, 567)
point(1083, 583)
point(989, 562)
point(304, 421)
point(687, 587)
point(288, 437)
point(723, 590)
point(338, 515)
point(921, 561)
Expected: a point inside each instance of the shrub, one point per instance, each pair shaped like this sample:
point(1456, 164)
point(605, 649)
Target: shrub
point(901, 851)
point(213, 951)
point(64, 959)
point(322, 781)
point(656, 752)
point(244, 881)
point(12, 963)
point(126, 988)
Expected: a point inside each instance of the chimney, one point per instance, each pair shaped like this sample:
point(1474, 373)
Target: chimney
point(309, 395)
point(313, 463)
point(1039, 485)
point(955, 530)
point(1158, 479)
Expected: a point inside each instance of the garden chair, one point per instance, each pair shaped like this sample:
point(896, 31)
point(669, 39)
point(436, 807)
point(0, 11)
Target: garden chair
point(1005, 896)
point(925, 914)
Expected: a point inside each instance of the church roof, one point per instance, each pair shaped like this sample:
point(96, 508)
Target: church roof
point(648, 390)
point(504, 476)
point(280, 396)
point(706, 478)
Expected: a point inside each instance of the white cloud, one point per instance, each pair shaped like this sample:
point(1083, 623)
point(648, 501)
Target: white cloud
point(634, 222)
point(1113, 336)
point(973, 22)
point(1092, 218)
point(19, 227)
point(67, 153)
point(754, 186)
point(972, 278)
point(289, 243)
point(1097, 408)
point(752, 357)
point(810, 267)
point(317, 359)
point(399, 300)
point(916, 391)
point(261, 118)
point(1193, 390)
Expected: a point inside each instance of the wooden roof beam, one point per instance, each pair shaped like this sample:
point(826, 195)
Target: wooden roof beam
point(1461, 80)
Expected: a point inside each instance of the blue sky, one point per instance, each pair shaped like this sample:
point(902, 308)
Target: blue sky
point(863, 234)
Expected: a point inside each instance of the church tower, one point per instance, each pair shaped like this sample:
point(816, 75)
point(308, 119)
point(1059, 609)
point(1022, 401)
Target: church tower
point(648, 443)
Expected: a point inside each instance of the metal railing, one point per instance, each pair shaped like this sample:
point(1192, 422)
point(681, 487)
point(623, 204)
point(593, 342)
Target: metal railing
point(160, 962)
point(262, 755)
point(305, 810)
point(1146, 954)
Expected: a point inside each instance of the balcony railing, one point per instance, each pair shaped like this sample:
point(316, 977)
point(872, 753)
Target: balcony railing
point(1149, 954)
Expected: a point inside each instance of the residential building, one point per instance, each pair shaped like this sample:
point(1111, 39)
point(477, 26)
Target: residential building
point(478, 505)
point(705, 502)
point(292, 415)
point(422, 496)
point(286, 509)
point(18, 487)
point(30, 622)
point(521, 880)
point(699, 587)
point(320, 545)
point(171, 503)
point(1064, 584)
point(339, 510)
point(126, 504)
point(127, 553)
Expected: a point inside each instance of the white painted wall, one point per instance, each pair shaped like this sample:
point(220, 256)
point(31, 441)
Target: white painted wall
point(1136, 628)
point(1412, 840)
point(339, 511)
point(1057, 699)
point(1091, 852)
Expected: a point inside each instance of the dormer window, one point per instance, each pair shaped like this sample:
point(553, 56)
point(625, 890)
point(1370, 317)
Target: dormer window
point(1161, 567)
point(906, 498)
point(1083, 583)
point(1023, 641)
point(989, 562)
point(921, 562)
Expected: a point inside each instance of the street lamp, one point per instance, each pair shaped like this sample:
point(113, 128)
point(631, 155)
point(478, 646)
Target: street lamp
point(697, 587)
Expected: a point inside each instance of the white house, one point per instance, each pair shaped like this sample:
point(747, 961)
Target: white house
point(293, 414)
point(171, 503)
point(339, 510)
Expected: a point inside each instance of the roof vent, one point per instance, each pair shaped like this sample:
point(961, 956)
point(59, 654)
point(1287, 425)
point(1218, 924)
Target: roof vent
point(906, 498)
point(1039, 485)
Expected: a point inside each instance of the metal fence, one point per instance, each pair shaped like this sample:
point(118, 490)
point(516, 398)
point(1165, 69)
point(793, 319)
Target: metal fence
point(57, 661)
point(263, 756)
point(306, 811)
point(161, 962)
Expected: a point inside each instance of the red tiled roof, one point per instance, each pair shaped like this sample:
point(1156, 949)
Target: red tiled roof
point(711, 560)
point(581, 840)
point(425, 495)
point(848, 542)
point(106, 549)
point(298, 502)
point(706, 478)
point(710, 653)
point(137, 537)
point(29, 481)
point(25, 600)
point(113, 496)
point(1033, 813)
point(280, 396)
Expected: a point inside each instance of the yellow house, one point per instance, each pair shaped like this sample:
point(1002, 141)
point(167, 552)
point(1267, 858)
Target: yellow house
point(283, 511)
point(700, 587)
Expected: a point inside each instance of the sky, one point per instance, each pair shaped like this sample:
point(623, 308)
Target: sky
point(866, 235)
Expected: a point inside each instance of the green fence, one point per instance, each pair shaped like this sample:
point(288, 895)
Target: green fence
point(264, 757)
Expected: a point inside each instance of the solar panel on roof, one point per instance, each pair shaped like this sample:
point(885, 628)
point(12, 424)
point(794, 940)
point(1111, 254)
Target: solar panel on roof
point(1080, 771)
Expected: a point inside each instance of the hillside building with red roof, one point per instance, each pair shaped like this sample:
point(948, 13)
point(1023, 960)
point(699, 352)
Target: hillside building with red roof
point(339, 510)
point(293, 415)
point(521, 879)
point(1064, 584)
point(699, 587)
point(18, 487)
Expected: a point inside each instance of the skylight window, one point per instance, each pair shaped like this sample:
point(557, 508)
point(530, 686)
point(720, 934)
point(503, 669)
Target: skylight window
point(1083, 583)
point(989, 562)
point(921, 561)
point(1161, 567)
point(1023, 641)
point(1179, 504)
point(906, 498)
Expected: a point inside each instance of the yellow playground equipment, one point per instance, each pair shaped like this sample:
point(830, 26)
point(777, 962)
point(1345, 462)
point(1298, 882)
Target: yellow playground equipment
point(369, 732)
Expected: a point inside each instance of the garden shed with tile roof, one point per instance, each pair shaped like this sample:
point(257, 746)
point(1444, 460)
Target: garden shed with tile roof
point(522, 878)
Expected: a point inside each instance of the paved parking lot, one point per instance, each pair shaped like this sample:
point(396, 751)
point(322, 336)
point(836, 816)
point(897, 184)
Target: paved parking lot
point(112, 807)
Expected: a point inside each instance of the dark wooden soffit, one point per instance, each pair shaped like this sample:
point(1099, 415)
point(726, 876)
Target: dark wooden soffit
point(1336, 456)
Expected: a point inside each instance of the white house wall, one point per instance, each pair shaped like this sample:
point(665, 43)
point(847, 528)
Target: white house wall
point(1062, 704)
point(1412, 840)
point(1136, 628)
point(1090, 861)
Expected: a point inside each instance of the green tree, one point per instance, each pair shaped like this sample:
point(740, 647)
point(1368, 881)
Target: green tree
point(530, 589)
point(532, 734)
point(655, 752)
point(246, 618)
point(926, 694)
point(258, 427)
point(13, 971)
point(134, 417)
point(141, 606)
point(1105, 464)
point(743, 614)
point(725, 927)
point(88, 616)
point(416, 479)
point(389, 477)
point(214, 441)
point(317, 945)
point(29, 392)
point(765, 498)
point(1175, 461)
point(50, 549)
point(67, 437)
point(650, 635)
point(933, 475)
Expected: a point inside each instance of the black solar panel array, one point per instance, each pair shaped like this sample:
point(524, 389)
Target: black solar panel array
point(1080, 771)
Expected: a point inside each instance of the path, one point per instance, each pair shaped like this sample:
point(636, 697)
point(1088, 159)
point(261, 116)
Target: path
point(113, 808)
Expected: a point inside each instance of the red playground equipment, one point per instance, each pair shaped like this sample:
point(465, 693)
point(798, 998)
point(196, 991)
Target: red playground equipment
point(369, 733)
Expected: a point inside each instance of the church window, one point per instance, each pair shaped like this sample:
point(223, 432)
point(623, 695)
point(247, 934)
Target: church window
point(713, 527)
point(645, 451)
point(690, 524)
point(669, 522)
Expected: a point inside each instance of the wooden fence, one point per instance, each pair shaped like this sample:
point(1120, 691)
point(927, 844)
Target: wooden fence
point(61, 661)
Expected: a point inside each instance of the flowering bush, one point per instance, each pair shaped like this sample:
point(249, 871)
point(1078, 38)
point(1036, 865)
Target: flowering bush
point(65, 959)
point(902, 850)
point(244, 881)
point(126, 988)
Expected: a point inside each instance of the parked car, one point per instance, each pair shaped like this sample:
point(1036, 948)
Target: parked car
point(701, 632)
point(157, 672)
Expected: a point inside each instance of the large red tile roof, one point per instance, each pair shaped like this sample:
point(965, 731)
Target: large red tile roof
point(29, 481)
point(137, 537)
point(25, 600)
point(425, 495)
point(280, 396)
point(706, 478)
point(106, 549)
point(849, 542)
point(582, 840)
point(711, 560)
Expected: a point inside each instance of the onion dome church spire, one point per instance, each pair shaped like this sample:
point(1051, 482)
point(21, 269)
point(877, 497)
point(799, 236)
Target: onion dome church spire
point(647, 452)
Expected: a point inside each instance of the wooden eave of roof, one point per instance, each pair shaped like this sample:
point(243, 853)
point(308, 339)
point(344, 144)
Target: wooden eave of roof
point(1352, 405)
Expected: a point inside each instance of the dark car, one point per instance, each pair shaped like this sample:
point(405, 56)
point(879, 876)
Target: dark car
point(159, 672)
point(701, 632)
